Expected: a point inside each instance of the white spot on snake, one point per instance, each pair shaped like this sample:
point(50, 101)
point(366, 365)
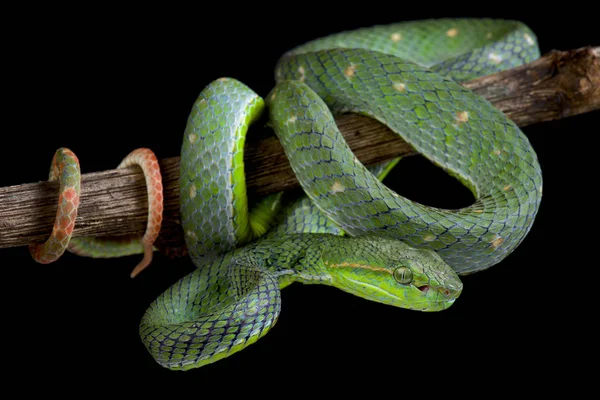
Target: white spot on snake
point(350, 71)
point(292, 119)
point(192, 137)
point(489, 35)
point(452, 32)
point(191, 234)
point(396, 37)
point(497, 242)
point(478, 211)
point(529, 39)
point(430, 237)
point(337, 187)
point(497, 152)
point(495, 58)
point(302, 73)
point(223, 79)
point(507, 188)
point(540, 188)
point(462, 116)
point(192, 191)
point(401, 87)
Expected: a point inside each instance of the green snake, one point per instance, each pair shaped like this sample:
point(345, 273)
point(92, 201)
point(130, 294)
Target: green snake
point(351, 231)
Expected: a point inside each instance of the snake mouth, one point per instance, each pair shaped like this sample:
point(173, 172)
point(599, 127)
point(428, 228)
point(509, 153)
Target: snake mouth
point(448, 293)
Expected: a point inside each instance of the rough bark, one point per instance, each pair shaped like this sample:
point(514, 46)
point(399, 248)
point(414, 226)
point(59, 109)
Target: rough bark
point(558, 85)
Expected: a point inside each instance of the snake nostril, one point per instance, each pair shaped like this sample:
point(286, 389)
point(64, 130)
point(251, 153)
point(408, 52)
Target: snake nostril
point(424, 288)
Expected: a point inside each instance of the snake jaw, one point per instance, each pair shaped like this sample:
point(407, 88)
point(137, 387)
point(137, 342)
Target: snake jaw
point(391, 272)
point(384, 290)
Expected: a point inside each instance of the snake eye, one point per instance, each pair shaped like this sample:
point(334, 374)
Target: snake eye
point(403, 275)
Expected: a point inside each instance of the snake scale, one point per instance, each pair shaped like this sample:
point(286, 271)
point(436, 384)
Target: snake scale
point(350, 231)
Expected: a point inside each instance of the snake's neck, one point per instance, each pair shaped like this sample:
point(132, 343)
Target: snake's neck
point(297, 257)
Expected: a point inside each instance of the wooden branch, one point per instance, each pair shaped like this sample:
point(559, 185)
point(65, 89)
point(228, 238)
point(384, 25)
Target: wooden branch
point(558, 85)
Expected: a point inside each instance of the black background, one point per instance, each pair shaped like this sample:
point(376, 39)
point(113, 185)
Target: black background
point(105, 81)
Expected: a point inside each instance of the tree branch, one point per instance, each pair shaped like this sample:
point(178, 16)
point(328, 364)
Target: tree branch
point(558, 85)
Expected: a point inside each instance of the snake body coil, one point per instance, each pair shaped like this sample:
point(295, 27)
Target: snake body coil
point(401, 253)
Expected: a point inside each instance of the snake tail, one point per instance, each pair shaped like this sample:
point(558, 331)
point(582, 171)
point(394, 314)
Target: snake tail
point(65, 168)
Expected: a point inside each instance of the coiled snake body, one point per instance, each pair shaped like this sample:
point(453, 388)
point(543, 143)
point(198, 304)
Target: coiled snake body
point(352, 232)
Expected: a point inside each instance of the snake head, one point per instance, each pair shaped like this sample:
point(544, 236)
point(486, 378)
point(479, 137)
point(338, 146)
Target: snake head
point(391, 272)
